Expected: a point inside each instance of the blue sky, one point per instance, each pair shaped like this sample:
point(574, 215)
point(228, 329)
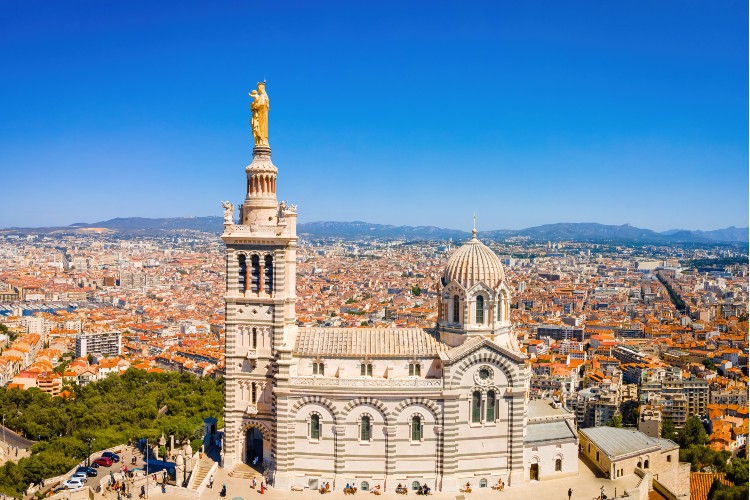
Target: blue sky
point(396, 112)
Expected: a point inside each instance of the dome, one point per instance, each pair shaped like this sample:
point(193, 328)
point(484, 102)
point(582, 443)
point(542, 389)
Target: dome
point(474, 262)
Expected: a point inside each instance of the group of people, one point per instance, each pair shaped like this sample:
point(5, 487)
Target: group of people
point(424, 490)
point(466, 488)
point(325, 488)
point(500, 486)
point(401, 489)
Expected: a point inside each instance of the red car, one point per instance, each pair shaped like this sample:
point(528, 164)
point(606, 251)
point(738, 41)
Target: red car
point(103, 461)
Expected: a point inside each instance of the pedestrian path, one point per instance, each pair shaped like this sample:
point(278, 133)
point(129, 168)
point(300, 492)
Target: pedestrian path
point(586, 486)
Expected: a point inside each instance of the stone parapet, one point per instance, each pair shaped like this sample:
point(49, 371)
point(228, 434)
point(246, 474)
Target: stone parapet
point(365, 382)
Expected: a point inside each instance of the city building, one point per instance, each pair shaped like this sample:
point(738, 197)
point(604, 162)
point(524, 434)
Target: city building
point(105, 344)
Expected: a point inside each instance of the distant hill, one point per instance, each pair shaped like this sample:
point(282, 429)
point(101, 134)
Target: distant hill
point(210, 224)
point(583, 231)
point(730, 233)
point(359, 229)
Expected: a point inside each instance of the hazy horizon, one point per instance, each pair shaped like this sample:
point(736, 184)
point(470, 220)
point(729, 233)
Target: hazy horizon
point(303, 221)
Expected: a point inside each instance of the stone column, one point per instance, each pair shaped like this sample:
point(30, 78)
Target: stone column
point(515, 429)
point(390, 453)
point(449, 480)
point(339, 464)
point(282, 444)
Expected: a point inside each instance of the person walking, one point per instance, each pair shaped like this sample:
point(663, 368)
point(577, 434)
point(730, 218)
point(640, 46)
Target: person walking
point(211, 482)
point(254, 483)
point(570, 493)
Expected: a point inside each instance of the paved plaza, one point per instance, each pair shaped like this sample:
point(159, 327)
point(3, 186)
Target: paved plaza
point(585, 486)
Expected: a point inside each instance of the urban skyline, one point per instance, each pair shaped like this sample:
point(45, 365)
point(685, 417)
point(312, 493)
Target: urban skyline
point(595, 114)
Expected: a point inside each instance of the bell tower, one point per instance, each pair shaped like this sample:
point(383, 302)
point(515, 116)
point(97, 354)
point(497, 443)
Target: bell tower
point(261, 252)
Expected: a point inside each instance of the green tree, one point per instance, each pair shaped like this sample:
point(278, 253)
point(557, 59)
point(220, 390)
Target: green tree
point(692, 433)
point(709, 364)
point(738, 471)
point(615, 421)
point(416, 291)
point(702, 457)
point(90, 358)
point(668, 430)
point(720, 492)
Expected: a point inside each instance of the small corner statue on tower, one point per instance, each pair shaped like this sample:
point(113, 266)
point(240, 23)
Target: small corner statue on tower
point(228, 212)
point(259, 108)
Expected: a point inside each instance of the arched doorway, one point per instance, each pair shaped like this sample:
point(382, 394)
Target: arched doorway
point(254, 448)
point(534, 472)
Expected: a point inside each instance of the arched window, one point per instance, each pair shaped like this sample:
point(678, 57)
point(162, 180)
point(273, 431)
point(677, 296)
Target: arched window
point(255, 274)
point(242, 278)
point(480, 309)
point(482, 483)
point(255, 338)
point(416, 429)
point(364, 429)
point(415, 370)
point(321, 369)
point(364, 486)
point(268, 270)
point(476, 407)
point(415, 485)
point(315, 426)
point(490, 406)
point(645, 464)
point(456, 311)
point(558, 465)
point(365, 369)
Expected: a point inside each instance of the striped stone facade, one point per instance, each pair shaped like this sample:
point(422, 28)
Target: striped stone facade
point(365, 407)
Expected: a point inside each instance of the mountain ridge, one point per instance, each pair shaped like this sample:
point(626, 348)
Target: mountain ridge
point(573, 231)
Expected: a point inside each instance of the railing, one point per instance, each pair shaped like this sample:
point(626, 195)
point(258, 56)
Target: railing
point(367, 382)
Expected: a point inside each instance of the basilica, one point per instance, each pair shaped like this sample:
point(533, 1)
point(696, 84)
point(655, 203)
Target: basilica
point(447, 406)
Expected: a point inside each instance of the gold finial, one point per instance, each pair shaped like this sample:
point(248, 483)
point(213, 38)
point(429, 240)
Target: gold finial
point(259, 108)
point(474, 230)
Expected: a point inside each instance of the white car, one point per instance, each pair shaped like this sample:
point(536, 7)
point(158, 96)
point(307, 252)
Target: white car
point(73, 483)
point(80, 475)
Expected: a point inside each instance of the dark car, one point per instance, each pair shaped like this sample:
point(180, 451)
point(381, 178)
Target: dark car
point(89, 471)
point(112, 456)
point(103, 461)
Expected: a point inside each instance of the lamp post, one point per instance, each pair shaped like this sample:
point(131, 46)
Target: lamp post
point(89, 456)
point(147, 478)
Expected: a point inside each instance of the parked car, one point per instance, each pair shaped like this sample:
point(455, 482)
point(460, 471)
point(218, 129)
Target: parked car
point(89, 471)
point(103, 461)
point(114, 456)
point(80, 475)
point(73, 483)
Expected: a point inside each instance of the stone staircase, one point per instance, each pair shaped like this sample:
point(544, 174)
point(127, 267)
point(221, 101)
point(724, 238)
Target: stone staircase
point(204, 467)
point(244, 471)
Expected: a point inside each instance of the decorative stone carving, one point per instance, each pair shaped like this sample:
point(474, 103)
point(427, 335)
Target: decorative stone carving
point(366, 382)
point(253, 312)
point(484, 375)
point(252, 409)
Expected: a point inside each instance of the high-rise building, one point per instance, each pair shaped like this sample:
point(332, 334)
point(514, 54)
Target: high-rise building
point(102, 343)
